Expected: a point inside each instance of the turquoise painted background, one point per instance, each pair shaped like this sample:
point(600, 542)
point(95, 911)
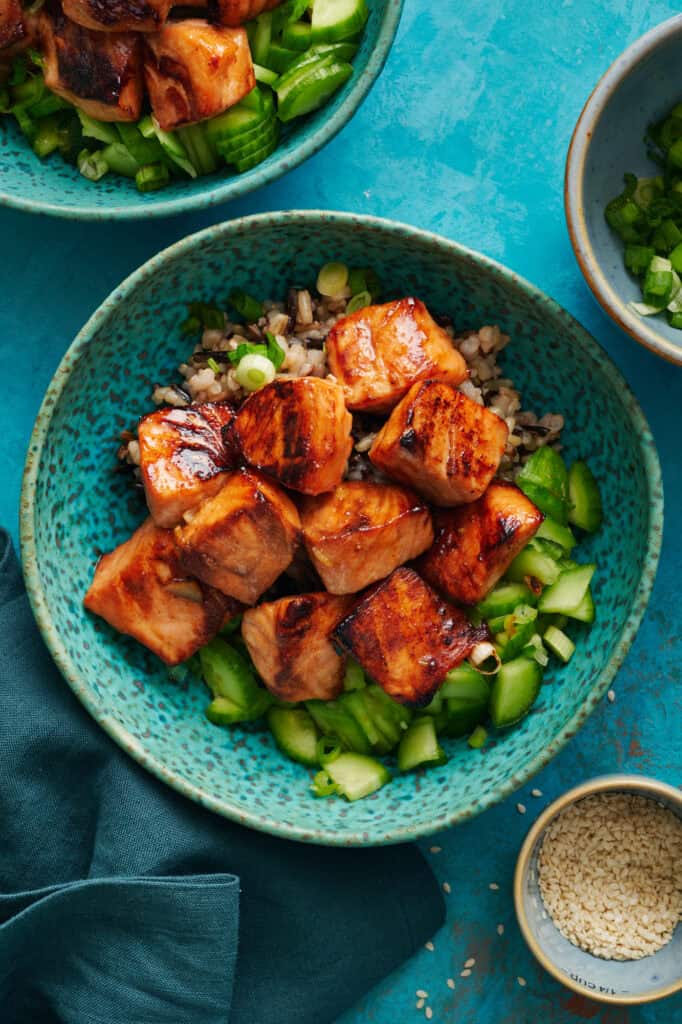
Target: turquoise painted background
point(466, 134)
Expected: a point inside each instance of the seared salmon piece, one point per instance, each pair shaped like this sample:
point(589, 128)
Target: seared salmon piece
point(290, 644)
point(406, 638)
point(441, 443)
point(362, 531)
point(297, 431)
point(12, 26)
point(141, 590)
point(99, 72)
point(118, 15)
point(243, 538)
point(195, 70)
point(236, 12)
point(380, 351)
point(476, 543)
point(184, 454)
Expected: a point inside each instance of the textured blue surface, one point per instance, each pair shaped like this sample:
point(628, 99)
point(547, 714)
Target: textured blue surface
point(465, 133)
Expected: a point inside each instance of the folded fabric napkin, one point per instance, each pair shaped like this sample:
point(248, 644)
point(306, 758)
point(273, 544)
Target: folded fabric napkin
point(124, 903)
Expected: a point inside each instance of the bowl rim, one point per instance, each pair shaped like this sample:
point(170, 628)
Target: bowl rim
point(574, 208)
point(237, 186)
point(618, 782)
point(295, 219)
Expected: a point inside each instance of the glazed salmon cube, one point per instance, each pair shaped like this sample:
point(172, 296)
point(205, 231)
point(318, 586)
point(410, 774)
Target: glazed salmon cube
point(243, 538)
point(195, 70)
point(121, 16)
point(406, 638)
point(380, 351)
point(184, 454)
point(290, 644)
point(441, 443)
point(362, 531)
point(236, 12)
point(141, 590)
point(99, 72)
point(12, 26)
point(297, 431)
point(475, 544)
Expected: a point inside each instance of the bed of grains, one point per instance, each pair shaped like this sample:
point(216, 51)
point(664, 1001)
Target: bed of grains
point(301, 325)
point(610, 875)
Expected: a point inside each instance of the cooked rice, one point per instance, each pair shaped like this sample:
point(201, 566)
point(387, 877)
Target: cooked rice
point(300, 327)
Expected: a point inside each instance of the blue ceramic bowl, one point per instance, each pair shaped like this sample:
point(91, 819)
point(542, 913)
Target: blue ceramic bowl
point(55, 188)
point(640, 87)
point(74, 506)
point(625, 983)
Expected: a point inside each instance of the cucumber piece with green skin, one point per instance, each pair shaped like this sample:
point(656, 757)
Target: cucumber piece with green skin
point(585, 611)
point(548, 503)
point(583, 491)
point(144, 151)
point(496, 625)
point(235, 151)
point(478, 738)
point(354, 704)
point(298, 71)
point(546, 468)
point(259, 134)
point(354, 676)
point(548, 547)
point(390, 718)
point(228, 674)
point(333, 720)
point(520, 628)
point(313, 91)
point(535, 564)
point(200, 147)
point(515, 690)
point(466, 695)
point(262, 38)
point(333, 20)
point(327, 51)
point(419, 746)
point(465, 683)
point(246, 163)
point(559, 643)
point(265, 76)
point(504, 598)
point(297, 35)
point(223, 711)
point(279, 58)
point(568, 591)
point(174, 149)
point(102, 131)
point(356, 775)
point(558, 534)
point(120, 161)
point(295, 734)
point(239, 118)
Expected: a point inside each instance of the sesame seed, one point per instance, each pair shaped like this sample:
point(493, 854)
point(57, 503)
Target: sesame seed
point(428, 1013)
point(536, 792)
point(447, 888)
point(611, 696)
point(470, 962)
point(494, 886)
point(500, 929)
point(521, 981)
point(465, 973)
point(430, 946)
point(436, 849)
point(451, 982)
point(422, 993)
point(521, 808)
point(420, 1004)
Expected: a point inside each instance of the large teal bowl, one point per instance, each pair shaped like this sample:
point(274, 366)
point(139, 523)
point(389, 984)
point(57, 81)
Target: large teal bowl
point(74, 506)
point(55, 188)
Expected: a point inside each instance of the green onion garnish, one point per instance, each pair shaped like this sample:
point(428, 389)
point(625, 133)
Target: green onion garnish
point(92, 166)
point(332, 279)
point(359, 301)
point(254, 372)
point(246, 348)
point(192, 325)
point(248, 307)
point(151, 177)
point(322, 785)
point(211, 363)
point(275, 352)
point(211, 317)
point(328, 749)
point(478, 737)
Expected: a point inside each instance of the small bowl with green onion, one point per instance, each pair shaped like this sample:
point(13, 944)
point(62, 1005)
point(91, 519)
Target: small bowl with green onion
point(623, 191)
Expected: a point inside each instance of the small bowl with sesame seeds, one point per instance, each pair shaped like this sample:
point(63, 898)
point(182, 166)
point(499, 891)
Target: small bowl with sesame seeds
point(598, 889)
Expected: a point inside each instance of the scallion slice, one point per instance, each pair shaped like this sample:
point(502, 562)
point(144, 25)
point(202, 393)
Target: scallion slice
point(254, 372)
point(332, 280)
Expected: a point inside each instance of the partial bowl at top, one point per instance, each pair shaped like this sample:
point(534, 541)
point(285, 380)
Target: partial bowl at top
point(640, 88)
point(74, 506)
point(54, 187)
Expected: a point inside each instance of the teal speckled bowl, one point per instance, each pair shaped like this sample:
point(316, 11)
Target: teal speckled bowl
point(55, 188)
point(74, 506)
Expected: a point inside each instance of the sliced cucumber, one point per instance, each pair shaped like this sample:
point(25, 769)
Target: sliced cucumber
point(559, 643)
point(546, 468)
point(264, 75)
point(520, 628)
point(535, 564)
point(390, 718)
point(313, 91)
point(229, 675)
point(504, 598)
point(295, 734)
point(119, 160)
point(253, 159)
point(262, 38)
point(515, 690)
point(356, 776)
point(583, 491)
point(240, 118)
point(297, 35)
point(144, 151)
point(568, 592)
point(333, 720)
point(199, 146)
point(223, 711)
point(549, 503)
point(558, 534)
point(585, 611)
point(100, 130)
point(174, 149)
point(280, 58)
point(419, 746)
point(337, 19)
point(237, 151)
point(354, 704)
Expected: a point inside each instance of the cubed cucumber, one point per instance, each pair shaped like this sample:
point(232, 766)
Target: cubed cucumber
point(535, 564)
point(120, 161)
point(279, 58)
point(568, 592)
point(515, 690)
point(228, 674)
point(419, 746)
point(558, 534)
point(546, 468)
point(586, 505)
point(355, 705)
point(466, 684)
point(585, 611)
point(520, 627)
point(333, 720)
point(549, 503)
point(356, 775)
point(559, 644)
point(390, 718)
point(504, 598)
point(295, 734)
point(223, 711)
point(297, 35)
point(100, 130)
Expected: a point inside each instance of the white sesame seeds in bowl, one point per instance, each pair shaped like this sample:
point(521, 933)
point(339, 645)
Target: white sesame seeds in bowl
point(598, 889)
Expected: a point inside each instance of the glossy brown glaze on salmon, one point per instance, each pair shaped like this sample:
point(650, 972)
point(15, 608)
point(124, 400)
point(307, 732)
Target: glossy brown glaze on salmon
point(141, 590)
point(12, 27)
point(290, 644)
point(99, 72)
point(184, 454)
point(297, 431)
point(475, 544)
point(442, 443)
point(407, 638)
point(118, 15)
point(362, 531)
point(377, 354)
point(195, 70)
point(236, 12)
point(243, 538)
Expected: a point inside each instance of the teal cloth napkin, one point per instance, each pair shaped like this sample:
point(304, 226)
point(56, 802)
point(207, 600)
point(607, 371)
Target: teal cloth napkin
point(123, 903)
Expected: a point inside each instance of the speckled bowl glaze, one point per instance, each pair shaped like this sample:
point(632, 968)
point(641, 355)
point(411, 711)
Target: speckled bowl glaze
point(74, 506)
point(624, 983)
point(640, 87)
point(55, 188)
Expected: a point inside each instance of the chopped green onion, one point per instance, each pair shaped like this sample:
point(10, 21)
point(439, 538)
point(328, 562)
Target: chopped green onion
point(638, 257)
point(212, 318)
point(151, 177)
point(359, 301)
point(92, 166)
point(328, 749)
point(247, 348)
point(478, 738)
point(211, 363)
point(275, 352)
point(248, 307)
point(332, 279)
point(323, 786)
point(254, 372)
point(675, 320)
point(192, 325)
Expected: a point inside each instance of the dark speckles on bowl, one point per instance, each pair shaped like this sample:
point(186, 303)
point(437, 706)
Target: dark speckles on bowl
point(559, 367)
